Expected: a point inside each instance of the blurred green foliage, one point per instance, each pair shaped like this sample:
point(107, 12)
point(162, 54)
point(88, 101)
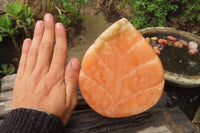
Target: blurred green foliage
point(22, 14)
point(23, 17)
point(6, 27)
point(192, 11)
point(7, 70)
point(150, 13)
point(69, 10)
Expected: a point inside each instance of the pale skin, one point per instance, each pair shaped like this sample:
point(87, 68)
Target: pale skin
point(43, 81)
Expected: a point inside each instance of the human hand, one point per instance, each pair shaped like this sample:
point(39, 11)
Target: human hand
point(42, 80)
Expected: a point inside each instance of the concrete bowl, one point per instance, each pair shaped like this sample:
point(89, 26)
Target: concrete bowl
point(182, 80)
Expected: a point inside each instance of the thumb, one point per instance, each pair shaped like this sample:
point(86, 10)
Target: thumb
point(71, 81)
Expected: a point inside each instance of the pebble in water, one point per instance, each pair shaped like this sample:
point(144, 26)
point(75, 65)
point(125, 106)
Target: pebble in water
point(154, 38)
point(192, 45)
point(193, 51)
point(184, 43)
point(171, 38)
point(162, 42)
point(158, 44)
point(178, 44)
point(154, 43)
point(147, 39)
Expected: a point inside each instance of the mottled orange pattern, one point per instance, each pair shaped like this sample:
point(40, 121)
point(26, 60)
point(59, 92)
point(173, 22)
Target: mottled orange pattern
point(121, 75)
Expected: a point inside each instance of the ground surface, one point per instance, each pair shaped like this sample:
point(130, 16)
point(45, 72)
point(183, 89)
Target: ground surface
point(158, 119)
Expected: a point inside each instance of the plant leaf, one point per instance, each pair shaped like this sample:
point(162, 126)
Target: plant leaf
point(5, 23)
point(14, 9)
point(1, 38)
point(11, 70)
point(20, 26)
point(2, 72)
point(4, 66)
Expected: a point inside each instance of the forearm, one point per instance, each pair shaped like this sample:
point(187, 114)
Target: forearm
point(31, 121)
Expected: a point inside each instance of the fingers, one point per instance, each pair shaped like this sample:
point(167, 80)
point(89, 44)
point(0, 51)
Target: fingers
point(47, 43)
point(60, 50)
point(71, 81)
point(23, 59)
point(33, 52)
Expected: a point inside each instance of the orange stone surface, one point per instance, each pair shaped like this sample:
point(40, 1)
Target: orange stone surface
point(120, 73)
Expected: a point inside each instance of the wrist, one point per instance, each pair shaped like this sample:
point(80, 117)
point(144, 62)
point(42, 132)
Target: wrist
point(31, 120)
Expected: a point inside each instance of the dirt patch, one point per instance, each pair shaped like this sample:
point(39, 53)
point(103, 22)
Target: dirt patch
point(179, 24)
point(112, 14)
point(73, 31)
point(93, 25)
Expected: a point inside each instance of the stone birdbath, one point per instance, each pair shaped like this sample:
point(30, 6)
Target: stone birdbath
point(181, 68)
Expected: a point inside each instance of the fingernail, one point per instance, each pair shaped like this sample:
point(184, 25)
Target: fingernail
point(75, 64)
point(26, 43)
point(58, 25)
point(47, 17)
point(39, 25)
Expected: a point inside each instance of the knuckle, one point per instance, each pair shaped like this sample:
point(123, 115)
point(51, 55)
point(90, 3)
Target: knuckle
point(38, 32)
point(72, 76)
point(36, 74)
point(32, 52)
point(49, 27)
point(62, 35)
point(46, 45)
point(24, 51)
point(53, 76)
point(60, 51)
point(48, 85)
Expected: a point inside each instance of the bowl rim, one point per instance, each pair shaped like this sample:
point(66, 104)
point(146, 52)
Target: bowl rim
point(177, 79)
